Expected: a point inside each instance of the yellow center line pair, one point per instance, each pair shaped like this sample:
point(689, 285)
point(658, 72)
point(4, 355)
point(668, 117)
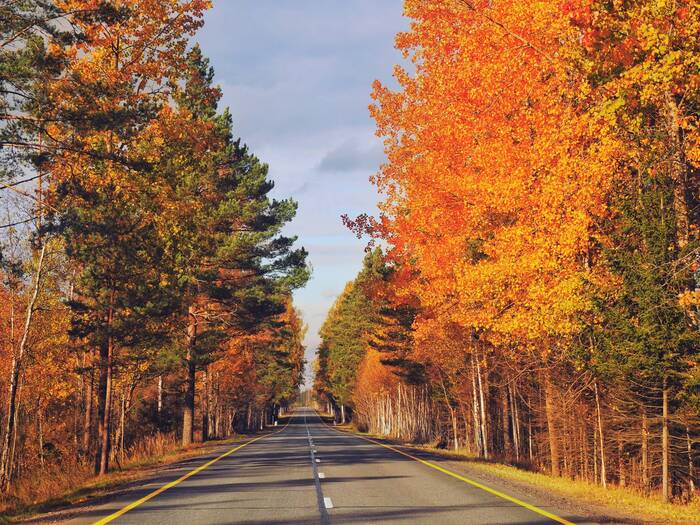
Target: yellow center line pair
point(179, 480)
point(471, 482)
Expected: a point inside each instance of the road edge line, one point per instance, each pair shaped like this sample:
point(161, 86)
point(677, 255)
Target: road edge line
point(464, 479)
point(151, 495)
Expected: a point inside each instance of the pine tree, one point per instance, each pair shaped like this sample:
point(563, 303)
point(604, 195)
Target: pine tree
point(26, 28)
point(645, 344)
point(239, 268)
point(107, 113)
point(345, 334)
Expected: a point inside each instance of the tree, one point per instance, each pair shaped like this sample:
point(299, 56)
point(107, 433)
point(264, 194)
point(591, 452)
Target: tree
point(238, 268)
point(640, 61)
point(539, 208)
point(144, 210)
point(645, 343)
point(345, 334)
point(485, 199)
point(25, 27)
point(103, 192)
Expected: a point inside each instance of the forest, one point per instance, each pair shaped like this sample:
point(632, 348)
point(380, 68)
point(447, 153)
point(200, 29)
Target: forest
point(145, 292)
point(530, 293)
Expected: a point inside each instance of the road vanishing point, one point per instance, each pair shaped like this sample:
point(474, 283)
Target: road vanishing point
point(310, 473)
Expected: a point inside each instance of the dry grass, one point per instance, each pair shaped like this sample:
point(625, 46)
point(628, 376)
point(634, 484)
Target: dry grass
point(150, 449)
point(622, 501)
point(69, 483)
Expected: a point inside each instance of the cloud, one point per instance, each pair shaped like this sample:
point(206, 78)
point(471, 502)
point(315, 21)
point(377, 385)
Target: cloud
point(350, 156)
point(330, 294)
point(297, 75)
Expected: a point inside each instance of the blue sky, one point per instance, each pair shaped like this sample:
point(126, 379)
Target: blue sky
point(297, 76)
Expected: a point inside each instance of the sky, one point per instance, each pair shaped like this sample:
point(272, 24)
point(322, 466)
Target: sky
point(297, 76)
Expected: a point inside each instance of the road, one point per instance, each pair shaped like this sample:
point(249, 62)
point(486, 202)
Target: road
point(311, 473)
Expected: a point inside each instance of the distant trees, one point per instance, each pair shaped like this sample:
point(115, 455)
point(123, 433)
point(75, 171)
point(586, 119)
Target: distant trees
point(239, 269)
point(152, 278)
point(540, 202)
point(344, 337)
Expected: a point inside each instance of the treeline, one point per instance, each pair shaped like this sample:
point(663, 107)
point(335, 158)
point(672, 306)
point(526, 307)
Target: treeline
point(538, 300)
point(146, 281)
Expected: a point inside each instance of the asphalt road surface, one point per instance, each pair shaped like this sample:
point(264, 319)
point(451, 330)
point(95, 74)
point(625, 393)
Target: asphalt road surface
point(311, 473)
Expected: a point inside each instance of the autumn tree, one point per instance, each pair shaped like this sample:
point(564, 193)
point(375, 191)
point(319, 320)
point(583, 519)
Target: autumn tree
point(102, 190)
point(484, 203)
point(25, 29)
point(237, 267)
point(138, 207)
point(539, 202)
point(345, 334)
point(640, 62)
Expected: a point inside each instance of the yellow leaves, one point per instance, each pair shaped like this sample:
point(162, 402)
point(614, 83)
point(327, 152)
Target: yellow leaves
point(481, 149)
point(116, 78)
point(689, 300)
point(652, 40)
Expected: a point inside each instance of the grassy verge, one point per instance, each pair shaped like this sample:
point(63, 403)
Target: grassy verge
point(615, 502)
point(619, 501)
point(81, 488)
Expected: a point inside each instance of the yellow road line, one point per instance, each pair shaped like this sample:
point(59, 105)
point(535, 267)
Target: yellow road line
point(191, 473)
point(471, 482)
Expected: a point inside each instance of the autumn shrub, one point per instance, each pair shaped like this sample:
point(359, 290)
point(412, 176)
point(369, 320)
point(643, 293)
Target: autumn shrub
point(59, 480)
point(154, 446)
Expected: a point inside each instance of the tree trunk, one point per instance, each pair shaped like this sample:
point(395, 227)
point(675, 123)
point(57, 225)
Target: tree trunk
point(6, 459)
point(645, 452)
point(665, 492)
point(122, 427)
point(453, 418)
point(87, 416)
point(505, 422)
point(551, 423)
point(621, 462)
point(516, 422)
point(40, 428)
point(595, 454)
point(7, 455)
point(205, 404)
point(159, 405)
point(603, 473)
point(677, 169)
point(691, 470)
point(475, 410)
point(530, 453)
point(188, 409)
point(105, 404)
point(482, 402)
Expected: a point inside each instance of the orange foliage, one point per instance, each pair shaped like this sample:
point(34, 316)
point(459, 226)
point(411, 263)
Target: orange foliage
point(99, 135)
point(373, 377)
point(492, 195)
